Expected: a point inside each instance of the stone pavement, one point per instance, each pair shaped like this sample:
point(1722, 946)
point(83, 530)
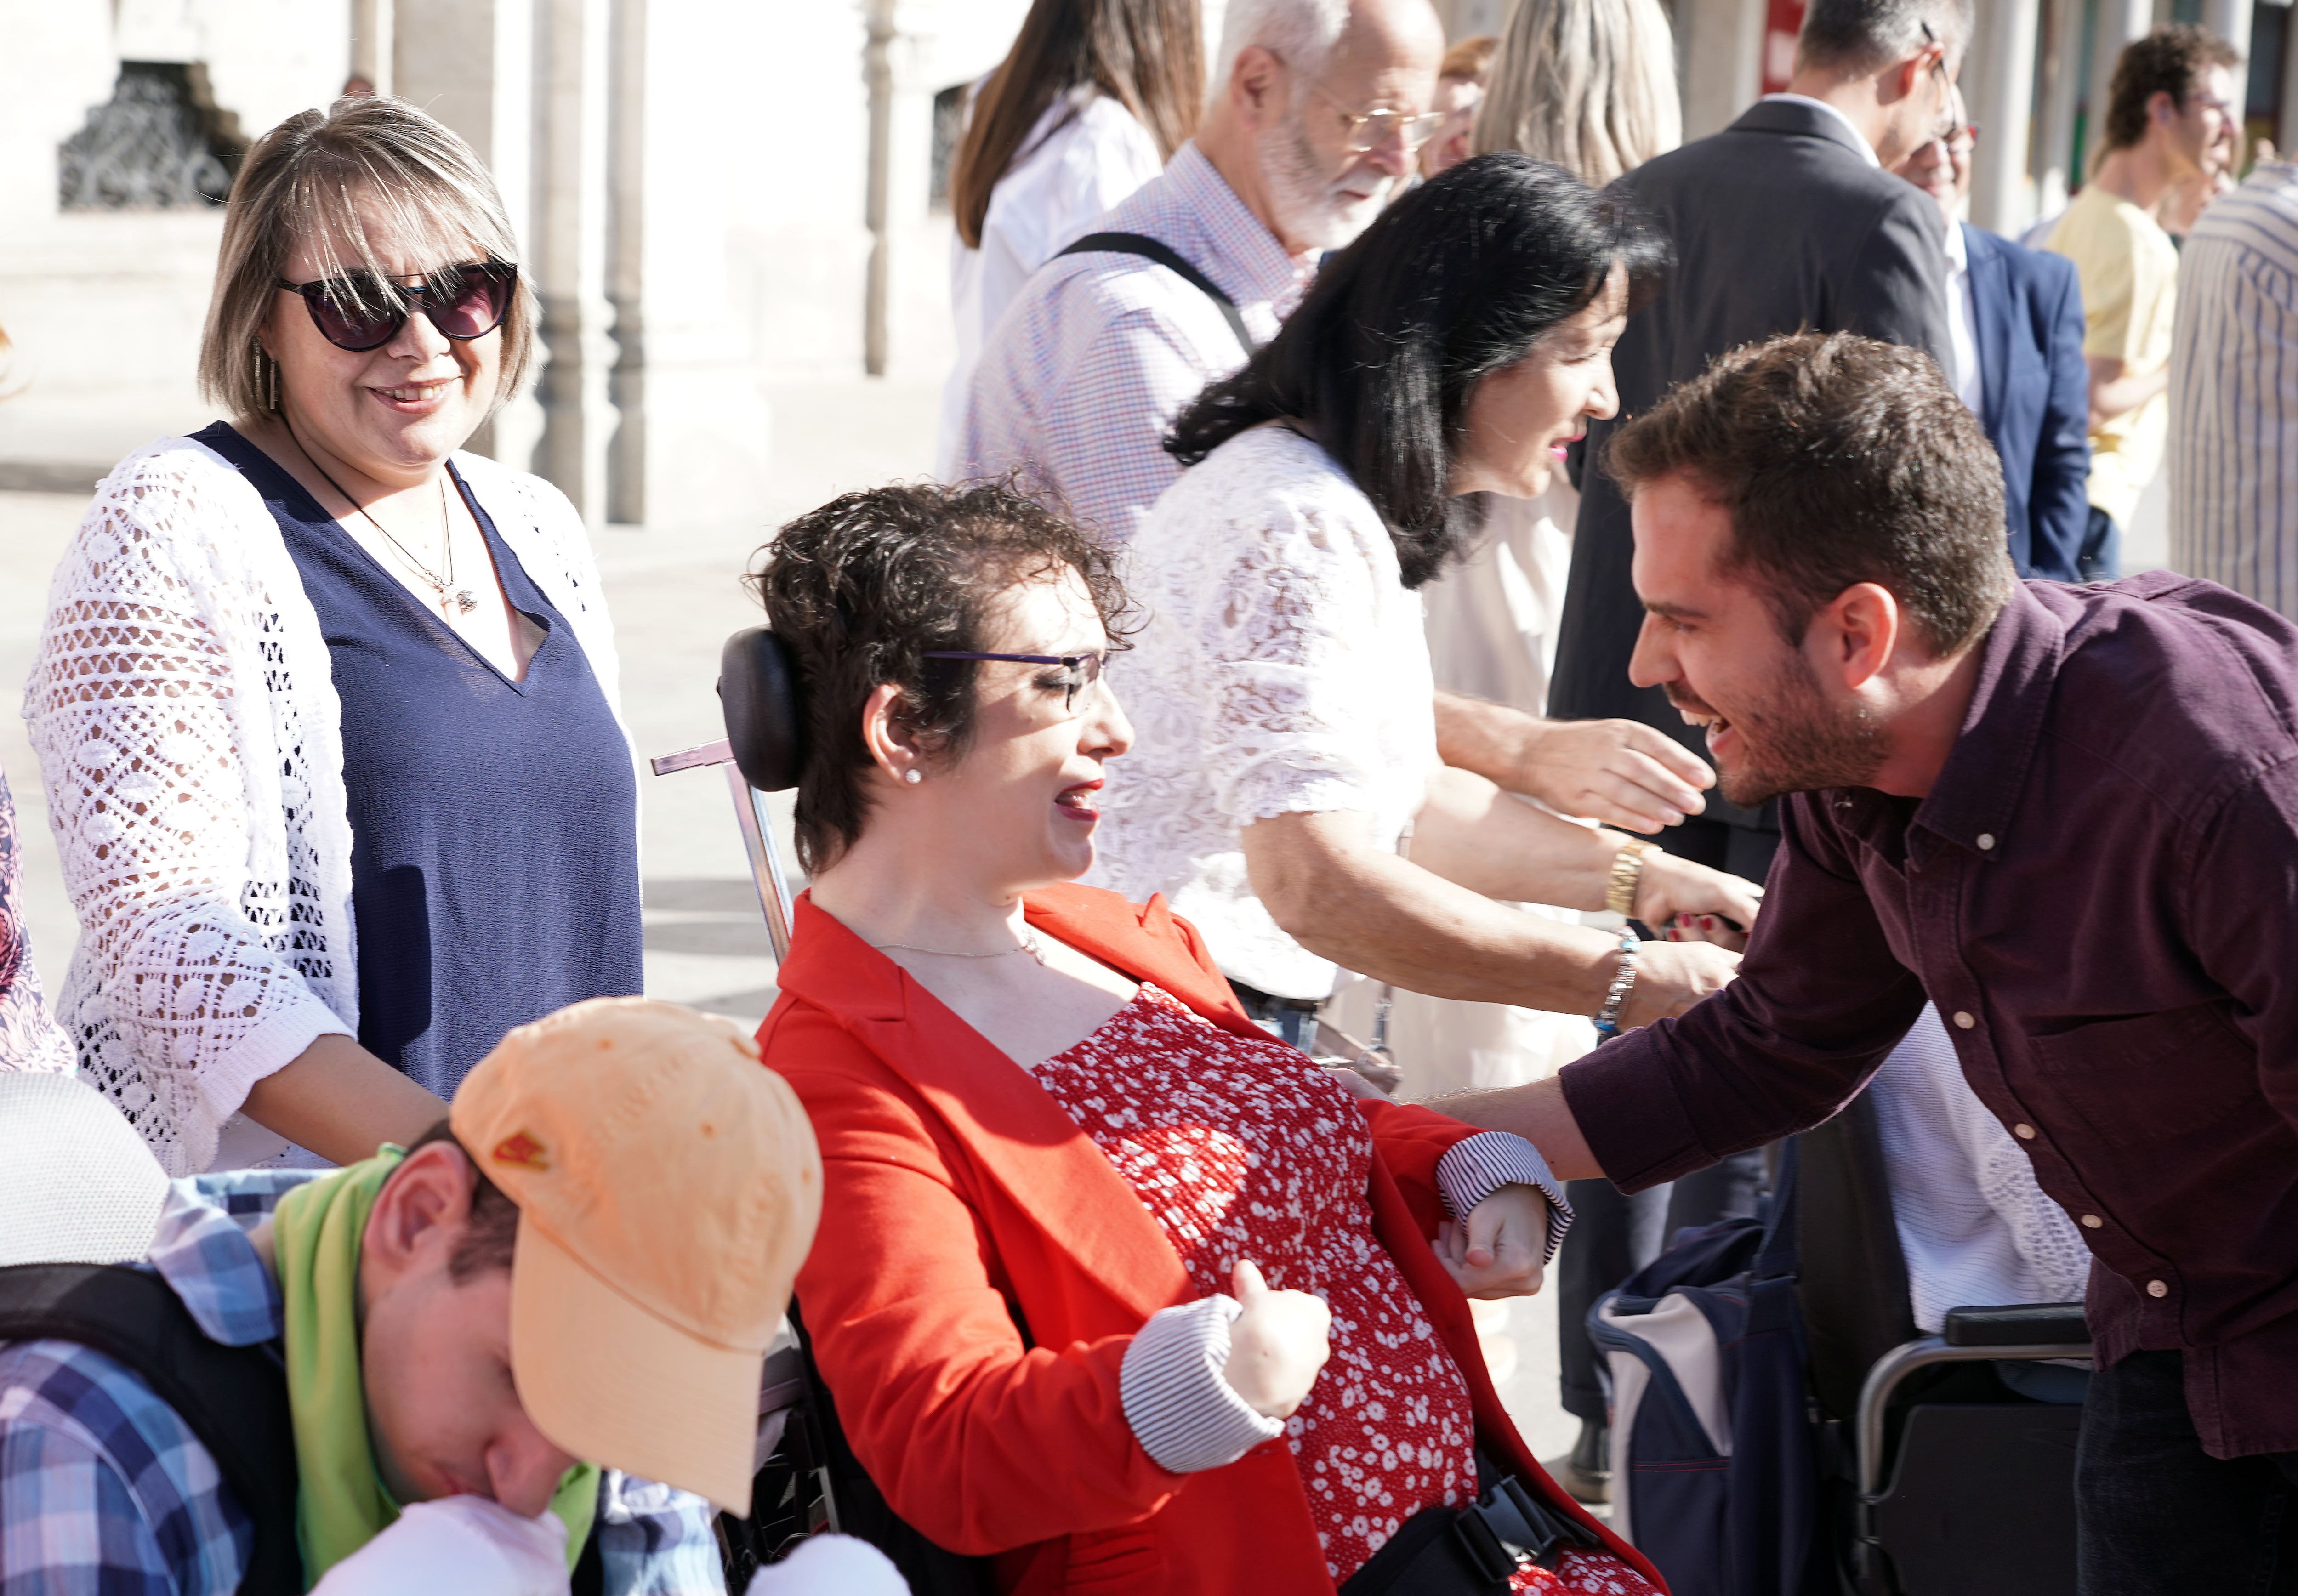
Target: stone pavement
point(677, 594)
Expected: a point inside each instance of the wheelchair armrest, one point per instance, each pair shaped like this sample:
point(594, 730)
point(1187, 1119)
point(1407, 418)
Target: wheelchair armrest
point(2020, 1324)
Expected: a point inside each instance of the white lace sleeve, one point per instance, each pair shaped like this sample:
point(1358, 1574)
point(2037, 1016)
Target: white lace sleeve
point(190, 759)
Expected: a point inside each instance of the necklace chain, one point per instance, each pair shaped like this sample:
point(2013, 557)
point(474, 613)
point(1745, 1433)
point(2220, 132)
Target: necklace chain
point(1028, 945)
point(463, 599)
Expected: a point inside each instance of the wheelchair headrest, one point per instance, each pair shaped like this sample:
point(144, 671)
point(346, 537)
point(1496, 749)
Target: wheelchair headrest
point(758, 691)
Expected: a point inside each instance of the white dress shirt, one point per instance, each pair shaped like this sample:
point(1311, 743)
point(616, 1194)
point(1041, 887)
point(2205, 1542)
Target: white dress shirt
point(1086, 154)
point(1962, 322)
point(1080, 379)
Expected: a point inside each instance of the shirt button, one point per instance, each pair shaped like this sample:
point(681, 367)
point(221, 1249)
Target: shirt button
point(2023, 1131)
point(1986, 842)
point(2155, 1289)
point(1962, 1018)
point(2091, 1221)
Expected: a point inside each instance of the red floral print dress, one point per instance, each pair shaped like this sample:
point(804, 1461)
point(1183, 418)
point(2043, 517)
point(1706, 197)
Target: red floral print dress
point(1240, 1148)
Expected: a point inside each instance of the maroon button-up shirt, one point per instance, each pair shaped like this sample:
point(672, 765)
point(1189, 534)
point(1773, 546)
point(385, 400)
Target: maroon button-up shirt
point(2100, 894)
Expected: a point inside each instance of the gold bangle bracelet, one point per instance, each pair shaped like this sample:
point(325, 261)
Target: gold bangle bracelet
point(1627, 873)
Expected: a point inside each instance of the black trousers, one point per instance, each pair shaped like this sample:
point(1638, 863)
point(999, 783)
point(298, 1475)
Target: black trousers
point(1613, 1235)
point(2157, 1516)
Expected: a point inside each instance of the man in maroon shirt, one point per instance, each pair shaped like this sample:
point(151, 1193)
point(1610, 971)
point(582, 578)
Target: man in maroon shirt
point(2069, 816)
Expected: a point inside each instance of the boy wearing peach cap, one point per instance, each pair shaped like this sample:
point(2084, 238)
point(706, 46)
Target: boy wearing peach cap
point(461, 1366)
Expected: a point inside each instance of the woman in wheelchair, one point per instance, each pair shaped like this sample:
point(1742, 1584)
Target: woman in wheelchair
point(1112, 1287)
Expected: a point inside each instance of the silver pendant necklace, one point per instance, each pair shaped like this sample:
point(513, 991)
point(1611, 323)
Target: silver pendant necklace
point(464, 599)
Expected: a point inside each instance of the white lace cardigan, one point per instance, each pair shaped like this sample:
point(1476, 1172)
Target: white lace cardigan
point(184, 710)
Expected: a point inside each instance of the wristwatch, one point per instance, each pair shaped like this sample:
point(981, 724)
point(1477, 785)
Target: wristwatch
point(1627, 873)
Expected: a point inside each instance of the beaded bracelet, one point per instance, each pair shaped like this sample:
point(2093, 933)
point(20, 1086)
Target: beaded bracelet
point(1623, 982)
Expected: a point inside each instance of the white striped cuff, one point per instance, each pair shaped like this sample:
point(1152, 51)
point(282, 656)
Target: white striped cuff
point(1478, 1167)
point(1182, 1411)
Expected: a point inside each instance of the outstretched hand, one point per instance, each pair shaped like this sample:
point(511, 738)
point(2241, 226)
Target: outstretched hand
point(1617, 772)
point(1502, 1248)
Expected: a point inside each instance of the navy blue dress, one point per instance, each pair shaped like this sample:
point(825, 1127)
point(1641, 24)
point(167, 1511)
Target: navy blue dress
point(494, 851)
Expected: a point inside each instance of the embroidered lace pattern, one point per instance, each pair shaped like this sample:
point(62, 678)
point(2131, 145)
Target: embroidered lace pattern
point(1242, 1149)
point(189, 736)
point(29, 1038)
point(1283, 669)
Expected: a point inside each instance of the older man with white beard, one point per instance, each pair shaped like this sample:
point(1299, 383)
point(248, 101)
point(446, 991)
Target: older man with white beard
point(1316, 112)
point(1315, 115)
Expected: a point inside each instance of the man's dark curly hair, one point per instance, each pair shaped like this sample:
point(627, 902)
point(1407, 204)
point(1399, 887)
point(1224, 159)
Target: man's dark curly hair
point(861, 590)
point(2171, 60)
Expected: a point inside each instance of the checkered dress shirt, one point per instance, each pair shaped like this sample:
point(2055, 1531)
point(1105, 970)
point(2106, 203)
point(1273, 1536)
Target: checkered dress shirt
point(104, 1491)
point(1089, 366)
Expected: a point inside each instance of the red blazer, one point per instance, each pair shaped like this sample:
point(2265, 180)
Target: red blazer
point(981, 1269)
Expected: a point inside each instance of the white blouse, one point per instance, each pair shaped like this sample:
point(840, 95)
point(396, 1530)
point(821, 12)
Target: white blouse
point(1282, 670)
point(1086, 154)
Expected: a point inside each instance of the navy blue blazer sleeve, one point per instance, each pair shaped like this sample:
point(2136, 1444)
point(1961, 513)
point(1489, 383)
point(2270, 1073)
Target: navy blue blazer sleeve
point(2058, 509)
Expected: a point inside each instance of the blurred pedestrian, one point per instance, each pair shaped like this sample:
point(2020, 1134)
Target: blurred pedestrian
point(29, 1039)
point(2015, 317)
point(1090, 103)
point(1459, 90)
point(1587, 84)
point(2170, 118)
point(2234, 393)
point(1316, 112)
point(326, 707)
point(1783, 220)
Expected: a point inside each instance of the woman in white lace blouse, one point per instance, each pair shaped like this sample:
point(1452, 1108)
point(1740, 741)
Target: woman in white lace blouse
point(1281, 687)
point(325, 707)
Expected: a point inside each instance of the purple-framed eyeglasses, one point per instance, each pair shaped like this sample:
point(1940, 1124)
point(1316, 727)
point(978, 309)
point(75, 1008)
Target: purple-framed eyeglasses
point(1082, 669)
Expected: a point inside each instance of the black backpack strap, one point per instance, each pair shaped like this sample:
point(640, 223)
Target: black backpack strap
point(1165, 255)
point(233, 1398)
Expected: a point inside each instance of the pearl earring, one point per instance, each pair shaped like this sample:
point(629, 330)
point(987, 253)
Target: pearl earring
point(914, 775)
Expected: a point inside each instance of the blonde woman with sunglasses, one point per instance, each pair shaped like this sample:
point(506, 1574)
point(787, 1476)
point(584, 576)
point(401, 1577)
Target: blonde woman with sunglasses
point(326, 705)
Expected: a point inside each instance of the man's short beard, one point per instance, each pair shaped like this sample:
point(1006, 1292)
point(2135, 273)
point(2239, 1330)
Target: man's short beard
point(1302, 192)
point(1805, 744)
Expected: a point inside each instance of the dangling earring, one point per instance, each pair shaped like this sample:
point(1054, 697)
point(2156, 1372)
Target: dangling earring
point(914, 775)
point(267, 373)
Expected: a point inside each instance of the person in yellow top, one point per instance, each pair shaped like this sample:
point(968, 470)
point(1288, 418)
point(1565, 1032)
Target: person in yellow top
point(2171, 119)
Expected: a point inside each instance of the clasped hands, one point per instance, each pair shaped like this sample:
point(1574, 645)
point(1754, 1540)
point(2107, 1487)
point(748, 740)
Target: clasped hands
point(1280, 1341)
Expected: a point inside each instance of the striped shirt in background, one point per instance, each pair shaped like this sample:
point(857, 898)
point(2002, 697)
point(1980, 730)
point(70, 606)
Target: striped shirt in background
point(2234, 393)
point(1084, 373)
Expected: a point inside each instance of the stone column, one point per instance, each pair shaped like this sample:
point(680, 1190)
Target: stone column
point(371, 49)
point(2054, 128)
point(2230, 20)
point(570, 247)
point(1999, 81)
point(1719, 51)
point(471, 64)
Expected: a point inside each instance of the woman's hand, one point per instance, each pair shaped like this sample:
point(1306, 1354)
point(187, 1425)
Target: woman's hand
point(1690, 901)
point(1501, 1251)
point(1672, 976)
point(1277, 1345)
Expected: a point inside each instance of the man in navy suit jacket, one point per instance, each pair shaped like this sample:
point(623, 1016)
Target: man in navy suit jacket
point(2018, 313)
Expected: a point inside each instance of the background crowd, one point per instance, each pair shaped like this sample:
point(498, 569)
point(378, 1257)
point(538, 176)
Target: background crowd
point(1276, 463)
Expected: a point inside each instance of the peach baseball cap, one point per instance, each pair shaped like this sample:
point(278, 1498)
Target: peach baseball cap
point(667, 1186)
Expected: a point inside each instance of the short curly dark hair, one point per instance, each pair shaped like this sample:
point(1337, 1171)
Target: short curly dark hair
point(2170, 61)
point(862, 589)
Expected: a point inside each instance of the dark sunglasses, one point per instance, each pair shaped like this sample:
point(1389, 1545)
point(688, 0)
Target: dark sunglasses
point(364, 311)
point(1083, 670)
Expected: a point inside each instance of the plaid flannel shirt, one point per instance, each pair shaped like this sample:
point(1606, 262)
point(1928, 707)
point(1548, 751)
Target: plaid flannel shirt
point(1084, 373)
point(105, 1492)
